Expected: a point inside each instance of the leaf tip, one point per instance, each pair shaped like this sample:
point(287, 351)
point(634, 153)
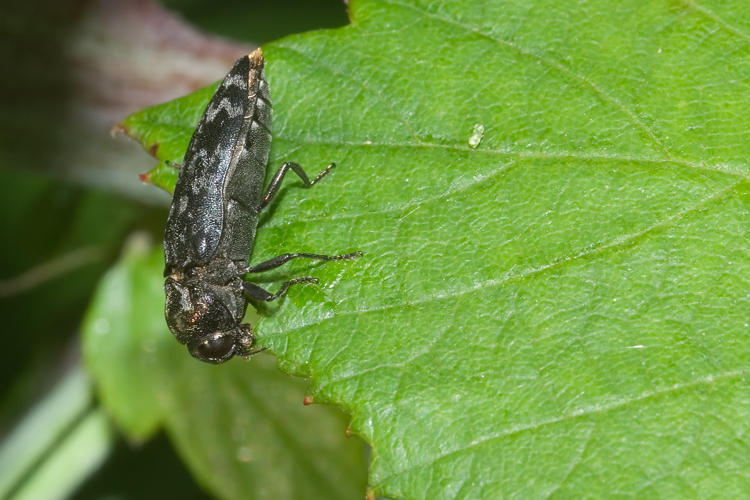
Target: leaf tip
point(307, 401)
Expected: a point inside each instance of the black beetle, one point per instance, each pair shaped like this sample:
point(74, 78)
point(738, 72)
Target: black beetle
point(214, 216)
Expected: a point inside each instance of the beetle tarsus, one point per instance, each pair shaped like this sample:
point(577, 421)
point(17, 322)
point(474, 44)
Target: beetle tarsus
point(323, 173)
point(247, 355)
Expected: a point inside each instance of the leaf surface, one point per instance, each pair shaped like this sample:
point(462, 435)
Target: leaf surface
point(555, 307)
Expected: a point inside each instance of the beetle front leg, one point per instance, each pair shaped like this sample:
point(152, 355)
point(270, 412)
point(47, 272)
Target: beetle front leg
point(275, 184)
point(245, 344)
point(255, 292)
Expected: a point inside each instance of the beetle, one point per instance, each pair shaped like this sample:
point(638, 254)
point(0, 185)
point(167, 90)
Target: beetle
point(214, 216)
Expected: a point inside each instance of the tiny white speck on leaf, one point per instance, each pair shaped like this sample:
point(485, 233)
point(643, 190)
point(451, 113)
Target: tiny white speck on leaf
point(476, 136)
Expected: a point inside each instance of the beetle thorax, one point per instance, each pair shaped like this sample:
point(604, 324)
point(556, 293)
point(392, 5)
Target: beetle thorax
point(196, 306)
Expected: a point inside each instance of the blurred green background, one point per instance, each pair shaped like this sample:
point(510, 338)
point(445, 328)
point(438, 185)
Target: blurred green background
point(63, 224)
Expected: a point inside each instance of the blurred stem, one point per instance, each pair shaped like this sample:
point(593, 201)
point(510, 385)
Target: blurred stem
point(58, 444)
point(50, 270)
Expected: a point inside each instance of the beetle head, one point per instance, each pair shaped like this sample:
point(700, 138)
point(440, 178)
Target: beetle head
point(207, 318)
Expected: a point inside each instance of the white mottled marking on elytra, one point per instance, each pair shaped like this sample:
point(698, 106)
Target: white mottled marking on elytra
point(232, 111)
point(234, 80)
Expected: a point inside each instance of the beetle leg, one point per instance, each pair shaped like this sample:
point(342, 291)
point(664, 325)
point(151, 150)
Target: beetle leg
point(255, 292)
point(246, 355)
point(284, 258)
point(275, 184)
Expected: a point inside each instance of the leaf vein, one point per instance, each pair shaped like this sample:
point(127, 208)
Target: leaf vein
point(562, 155)
point(718, 20)
point(552, 63)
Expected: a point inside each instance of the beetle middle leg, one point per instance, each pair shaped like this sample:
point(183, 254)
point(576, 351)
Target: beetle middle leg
point(284, 258)
point(255, 292)
point(275, 184)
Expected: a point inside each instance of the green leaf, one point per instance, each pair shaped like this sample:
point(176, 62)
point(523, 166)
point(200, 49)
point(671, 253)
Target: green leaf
point(241, 427)
point(122, 333)
point(557, 306)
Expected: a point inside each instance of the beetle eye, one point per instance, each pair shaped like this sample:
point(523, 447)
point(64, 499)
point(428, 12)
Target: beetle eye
point(213, 349)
